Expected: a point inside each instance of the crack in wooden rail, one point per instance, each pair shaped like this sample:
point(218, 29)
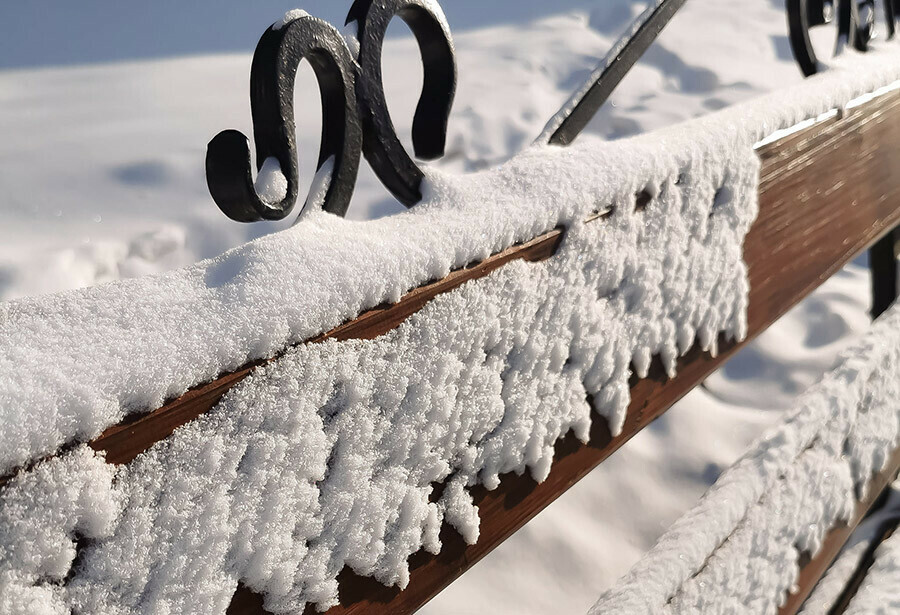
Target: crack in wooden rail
point(813, 236)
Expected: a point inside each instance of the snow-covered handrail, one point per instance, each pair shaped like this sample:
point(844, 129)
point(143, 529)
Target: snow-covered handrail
point(611, 335)
point(744, 543)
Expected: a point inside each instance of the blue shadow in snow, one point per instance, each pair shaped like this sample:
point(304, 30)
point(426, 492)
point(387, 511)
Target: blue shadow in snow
point(53, 32)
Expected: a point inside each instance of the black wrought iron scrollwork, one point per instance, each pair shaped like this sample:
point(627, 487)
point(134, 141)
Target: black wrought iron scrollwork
point(382, 148)
point(275, 63)
point(356, 119)
point(854, 22)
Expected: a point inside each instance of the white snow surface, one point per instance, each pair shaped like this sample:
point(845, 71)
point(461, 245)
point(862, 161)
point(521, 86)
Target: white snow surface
point(288, 17)
point(880, 592)
point(830, 587)
point(271, 184)
point(41, 514)
point(153, 338)
point(738, 549)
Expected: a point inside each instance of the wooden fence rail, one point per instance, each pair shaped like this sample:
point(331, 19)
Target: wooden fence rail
point(827, 193)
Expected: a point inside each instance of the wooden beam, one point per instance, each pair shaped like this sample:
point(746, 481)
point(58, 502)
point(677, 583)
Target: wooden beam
point(815, 568)
point(123, 442)
point(826, 194)
point(884, 533)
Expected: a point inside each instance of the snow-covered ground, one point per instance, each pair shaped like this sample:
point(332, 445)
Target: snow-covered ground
point(102, 165)
point(102, 174)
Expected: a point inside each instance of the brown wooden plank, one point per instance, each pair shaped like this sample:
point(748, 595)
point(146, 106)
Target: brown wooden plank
point(815, 567)
point(122, 443)
point(826, 194)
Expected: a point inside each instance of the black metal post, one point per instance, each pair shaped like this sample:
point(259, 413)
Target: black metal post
point(883, 265)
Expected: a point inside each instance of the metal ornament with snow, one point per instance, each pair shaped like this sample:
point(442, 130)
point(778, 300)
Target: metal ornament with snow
point(355, 116)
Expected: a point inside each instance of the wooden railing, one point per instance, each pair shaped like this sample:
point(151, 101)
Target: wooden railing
point(827, 193)
point(883, 533)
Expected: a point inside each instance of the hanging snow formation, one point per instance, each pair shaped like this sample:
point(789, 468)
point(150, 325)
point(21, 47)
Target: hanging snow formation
point(829, 589)
point(738, 549)
point(880, 592)
point(153, 338)
point(328, 457)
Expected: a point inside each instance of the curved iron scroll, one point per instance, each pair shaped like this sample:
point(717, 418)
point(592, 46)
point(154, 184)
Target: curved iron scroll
point(278, 54)
point(854, 21)
point(382, 148)
point(355, 114)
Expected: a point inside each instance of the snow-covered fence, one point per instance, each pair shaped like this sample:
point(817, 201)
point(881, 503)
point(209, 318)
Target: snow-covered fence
point(740, 549)
point(310, 410)
point(805, 231)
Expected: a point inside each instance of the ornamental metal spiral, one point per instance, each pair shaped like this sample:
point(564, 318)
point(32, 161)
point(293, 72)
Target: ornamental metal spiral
point(854, 22)
point(355, 117)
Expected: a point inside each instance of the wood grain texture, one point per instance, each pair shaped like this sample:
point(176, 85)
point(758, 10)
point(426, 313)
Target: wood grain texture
point(826, 194)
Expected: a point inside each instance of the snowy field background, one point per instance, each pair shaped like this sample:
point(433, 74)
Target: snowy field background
point(101, 165)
